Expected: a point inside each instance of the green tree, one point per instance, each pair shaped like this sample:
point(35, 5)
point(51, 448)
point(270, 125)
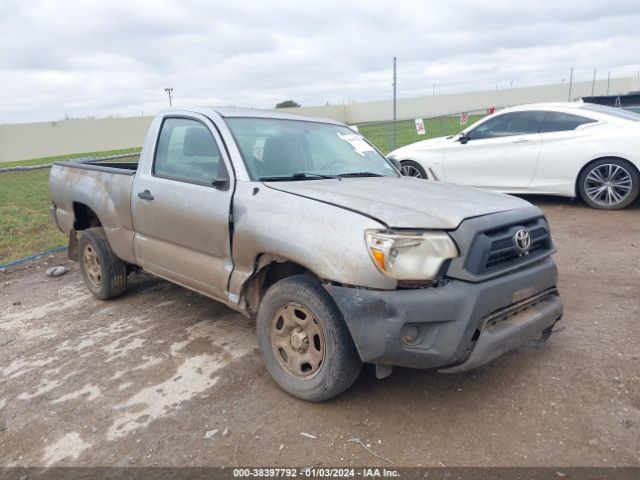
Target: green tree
point(287, 104)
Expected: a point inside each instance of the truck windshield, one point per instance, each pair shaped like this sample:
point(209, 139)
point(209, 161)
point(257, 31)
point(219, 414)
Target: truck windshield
point(279, 149)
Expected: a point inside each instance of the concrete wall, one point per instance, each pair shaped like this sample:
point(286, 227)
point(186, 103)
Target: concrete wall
point(433, 106)
point(34, 140)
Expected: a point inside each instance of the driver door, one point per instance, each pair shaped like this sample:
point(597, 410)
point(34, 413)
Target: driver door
point(180, 213)
point(501, 153)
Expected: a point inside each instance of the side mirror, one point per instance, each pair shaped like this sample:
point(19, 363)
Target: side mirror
point(464, 138)
point(396, 163)
point(221, 182)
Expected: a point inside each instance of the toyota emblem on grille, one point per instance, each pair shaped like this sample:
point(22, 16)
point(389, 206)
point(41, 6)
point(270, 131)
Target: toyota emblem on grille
point(523, 240)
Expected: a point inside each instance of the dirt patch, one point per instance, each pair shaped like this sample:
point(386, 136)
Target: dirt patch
point(146, 379)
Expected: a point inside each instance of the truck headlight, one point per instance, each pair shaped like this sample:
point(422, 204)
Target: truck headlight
point(416, 256)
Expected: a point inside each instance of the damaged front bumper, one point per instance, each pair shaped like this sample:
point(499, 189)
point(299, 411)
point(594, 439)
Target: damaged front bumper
point(460, 325)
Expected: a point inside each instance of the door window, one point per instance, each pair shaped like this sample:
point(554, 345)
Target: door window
point(559, 122)
point(508, 124)
point(187, 152)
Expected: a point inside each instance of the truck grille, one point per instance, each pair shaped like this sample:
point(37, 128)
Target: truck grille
point(496, 249)
point(504, 250)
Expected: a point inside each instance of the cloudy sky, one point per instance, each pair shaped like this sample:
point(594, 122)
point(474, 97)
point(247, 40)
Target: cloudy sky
point(114, 57)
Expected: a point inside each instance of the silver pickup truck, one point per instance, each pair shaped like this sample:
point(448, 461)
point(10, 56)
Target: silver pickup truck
point(303, 224)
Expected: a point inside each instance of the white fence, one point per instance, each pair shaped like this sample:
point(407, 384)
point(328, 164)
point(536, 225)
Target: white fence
point(435, 106)
point(34, 140)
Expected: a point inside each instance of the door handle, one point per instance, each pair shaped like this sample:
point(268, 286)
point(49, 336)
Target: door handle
point(520, 140)
point(146, 195)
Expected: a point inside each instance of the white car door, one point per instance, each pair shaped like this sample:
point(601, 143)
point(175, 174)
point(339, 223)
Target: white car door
point(501, 153)
point(567, 141)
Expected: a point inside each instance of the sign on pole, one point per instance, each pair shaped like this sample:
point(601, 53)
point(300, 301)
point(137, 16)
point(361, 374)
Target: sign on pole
point(420, 126)
point(464, 118)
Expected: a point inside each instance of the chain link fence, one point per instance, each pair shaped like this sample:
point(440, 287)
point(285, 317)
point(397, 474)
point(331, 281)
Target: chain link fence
point(390, 135)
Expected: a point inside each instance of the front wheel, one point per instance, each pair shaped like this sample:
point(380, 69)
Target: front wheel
point(609, 184)
point(104, 273)
point(304, 341)
point(411, 168)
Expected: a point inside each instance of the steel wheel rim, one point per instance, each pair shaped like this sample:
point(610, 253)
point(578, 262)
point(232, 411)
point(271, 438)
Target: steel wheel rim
point(411, 171)
point(92, 266)
point(297, 341)
point(608, 184)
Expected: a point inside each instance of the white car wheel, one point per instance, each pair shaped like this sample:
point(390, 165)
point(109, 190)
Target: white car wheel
point(413, 169)
point(609, 184)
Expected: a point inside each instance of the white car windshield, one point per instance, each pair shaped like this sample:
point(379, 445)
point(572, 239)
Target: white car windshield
point(279, 149)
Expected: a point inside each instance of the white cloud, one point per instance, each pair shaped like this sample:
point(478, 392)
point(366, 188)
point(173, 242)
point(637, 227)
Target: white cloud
point(98, 58)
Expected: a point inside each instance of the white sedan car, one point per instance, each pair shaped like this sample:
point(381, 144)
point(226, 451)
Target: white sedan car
point(569, 149)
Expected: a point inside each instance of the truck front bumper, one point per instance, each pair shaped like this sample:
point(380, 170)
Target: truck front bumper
point(460, 325)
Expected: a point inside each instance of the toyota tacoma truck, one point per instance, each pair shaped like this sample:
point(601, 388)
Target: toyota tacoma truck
point(304, 225)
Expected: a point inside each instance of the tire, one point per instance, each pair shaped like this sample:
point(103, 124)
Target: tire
point(411, 168)
point(103, 272)
point(596, 189)
point(334, 363)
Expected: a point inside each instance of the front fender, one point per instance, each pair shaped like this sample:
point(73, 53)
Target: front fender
point(327, 240)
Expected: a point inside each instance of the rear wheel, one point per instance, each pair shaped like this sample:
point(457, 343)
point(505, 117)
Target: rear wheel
point(413, 169)
point(304, 341)
point(104, 273)
point(609, 184)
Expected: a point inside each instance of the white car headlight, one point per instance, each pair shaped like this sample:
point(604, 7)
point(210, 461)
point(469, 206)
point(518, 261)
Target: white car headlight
point(416, 256)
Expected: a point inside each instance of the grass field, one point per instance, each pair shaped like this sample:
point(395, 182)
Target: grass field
point(25, 222)
point(381, 134)
point(26, 227)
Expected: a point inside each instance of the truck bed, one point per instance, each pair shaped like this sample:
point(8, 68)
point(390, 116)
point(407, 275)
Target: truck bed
point(119, 164)
point(102, 186)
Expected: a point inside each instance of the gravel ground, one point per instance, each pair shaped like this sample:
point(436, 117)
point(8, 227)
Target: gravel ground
point(163, 376)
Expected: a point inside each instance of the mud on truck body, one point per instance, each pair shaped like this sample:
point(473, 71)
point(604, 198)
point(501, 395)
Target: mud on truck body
point(304, 225)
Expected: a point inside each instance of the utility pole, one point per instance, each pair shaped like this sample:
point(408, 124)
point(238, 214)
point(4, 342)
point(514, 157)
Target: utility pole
point(395, 130)
point(570, 82)
point(169, 91)
point(593, 82)
point(608, 81)
point(511, 93)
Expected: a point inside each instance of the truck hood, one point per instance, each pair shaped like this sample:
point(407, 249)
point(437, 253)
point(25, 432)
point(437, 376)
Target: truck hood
point(404, 202)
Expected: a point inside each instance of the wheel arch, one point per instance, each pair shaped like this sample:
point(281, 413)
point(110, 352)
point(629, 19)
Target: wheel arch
point(84, 217)
point(427, 168)
point(576, 185)
point(268, 270)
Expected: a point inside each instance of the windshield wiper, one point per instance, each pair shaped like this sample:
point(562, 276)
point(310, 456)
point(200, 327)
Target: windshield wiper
point(298, 176)
point(360, 174)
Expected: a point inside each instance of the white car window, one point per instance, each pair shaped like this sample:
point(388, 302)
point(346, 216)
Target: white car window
point(508, 124)
point(560, 121)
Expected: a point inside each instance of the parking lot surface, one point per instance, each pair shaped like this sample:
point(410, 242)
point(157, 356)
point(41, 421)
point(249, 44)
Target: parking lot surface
point(164, 376)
